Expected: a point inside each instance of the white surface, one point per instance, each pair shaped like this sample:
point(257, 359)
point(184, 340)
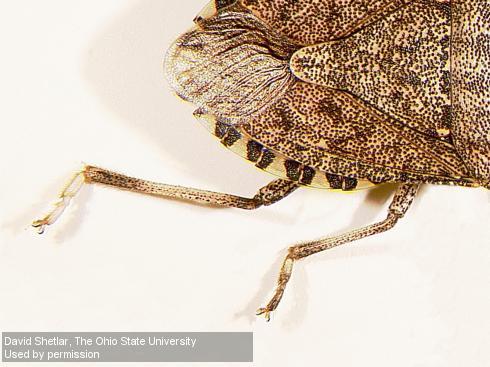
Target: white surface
point(82, 81)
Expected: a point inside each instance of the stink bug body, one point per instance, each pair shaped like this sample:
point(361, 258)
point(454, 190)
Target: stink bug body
point(333, 94)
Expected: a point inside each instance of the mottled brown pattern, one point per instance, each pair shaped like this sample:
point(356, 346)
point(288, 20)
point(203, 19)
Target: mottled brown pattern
point(399, 64)
point(345, 136)
point(471, 85)
point(371, 101)
point(381, 107)
point(274, 162)
point(307, 22)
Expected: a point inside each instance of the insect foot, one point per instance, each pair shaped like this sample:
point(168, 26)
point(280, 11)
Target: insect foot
point(284, 275)
point(69, 191)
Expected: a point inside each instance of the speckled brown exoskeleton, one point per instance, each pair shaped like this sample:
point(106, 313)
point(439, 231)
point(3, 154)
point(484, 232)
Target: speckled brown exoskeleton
point(335, 94)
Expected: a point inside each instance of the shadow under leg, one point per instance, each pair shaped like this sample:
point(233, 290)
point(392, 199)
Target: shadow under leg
point(267, 195)
point(401, 201)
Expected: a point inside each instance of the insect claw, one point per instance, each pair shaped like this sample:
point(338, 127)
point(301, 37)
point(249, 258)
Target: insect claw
point(40, 225)
point(59, 208)
point(264, 311)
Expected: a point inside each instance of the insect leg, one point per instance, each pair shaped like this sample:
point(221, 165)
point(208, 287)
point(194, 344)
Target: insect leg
point(401, 202)
point(267, 195)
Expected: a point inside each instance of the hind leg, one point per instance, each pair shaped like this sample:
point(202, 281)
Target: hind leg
point(401, 202)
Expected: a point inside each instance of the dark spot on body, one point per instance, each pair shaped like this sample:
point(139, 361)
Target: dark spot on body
point(254, 151)
point(307, 176)
point(267, 158)
point(221, 129)
point(231, 137)
point(349, 184)
point(292, 169)
point(335, 181)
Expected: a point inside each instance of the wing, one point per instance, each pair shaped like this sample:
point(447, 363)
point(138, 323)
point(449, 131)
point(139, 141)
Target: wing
point(337, 133)
point(400, 65)
point(231, 64)
point(307, 22)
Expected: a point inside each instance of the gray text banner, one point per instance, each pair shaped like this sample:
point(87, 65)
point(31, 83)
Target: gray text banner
point(127, 347)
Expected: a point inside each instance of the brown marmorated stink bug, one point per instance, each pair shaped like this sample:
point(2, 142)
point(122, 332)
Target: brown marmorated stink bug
point(335, 94)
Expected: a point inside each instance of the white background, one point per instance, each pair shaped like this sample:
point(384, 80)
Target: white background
point(82, 81)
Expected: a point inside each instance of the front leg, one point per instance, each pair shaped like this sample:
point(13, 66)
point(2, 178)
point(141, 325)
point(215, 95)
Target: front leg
point(401, 202)
point(267, 195)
